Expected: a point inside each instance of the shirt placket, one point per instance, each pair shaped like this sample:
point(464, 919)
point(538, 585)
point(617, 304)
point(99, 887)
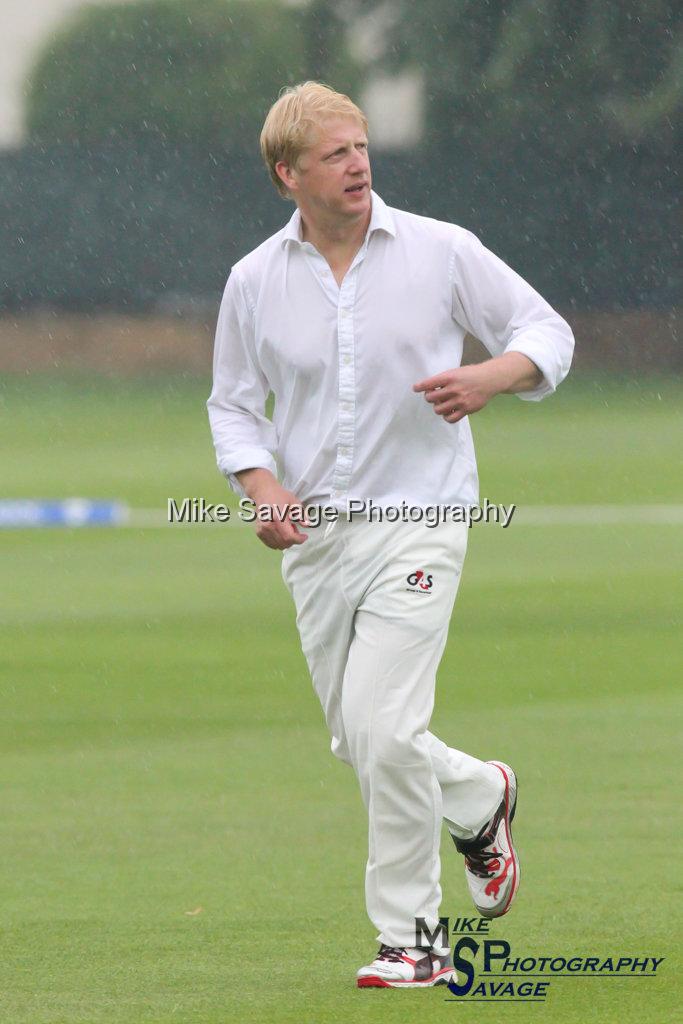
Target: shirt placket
point(346, 395)
point(345, 298)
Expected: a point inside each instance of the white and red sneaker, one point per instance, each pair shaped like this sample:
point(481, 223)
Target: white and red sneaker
point(491, 862)
point(407, 967)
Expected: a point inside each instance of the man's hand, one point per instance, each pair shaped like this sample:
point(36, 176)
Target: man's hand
point(457, 393)
point(261, 486)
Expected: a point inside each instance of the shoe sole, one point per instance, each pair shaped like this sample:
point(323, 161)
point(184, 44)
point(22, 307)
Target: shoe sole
point(374, 981)
point(507, 771)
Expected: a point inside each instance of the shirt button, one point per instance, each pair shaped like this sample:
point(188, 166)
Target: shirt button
point(343, 451)
point(345, 312)
point(346, 360)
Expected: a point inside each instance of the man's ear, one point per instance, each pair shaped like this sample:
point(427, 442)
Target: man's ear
point(284, 173)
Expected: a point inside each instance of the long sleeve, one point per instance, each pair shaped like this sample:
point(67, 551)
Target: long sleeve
point(244, 438)
point(506, 314)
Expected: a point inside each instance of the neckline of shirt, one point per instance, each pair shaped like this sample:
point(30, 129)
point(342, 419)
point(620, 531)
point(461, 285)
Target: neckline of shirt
point(381, 219)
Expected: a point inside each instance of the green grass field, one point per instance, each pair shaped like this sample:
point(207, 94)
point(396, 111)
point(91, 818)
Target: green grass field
point(177, 842)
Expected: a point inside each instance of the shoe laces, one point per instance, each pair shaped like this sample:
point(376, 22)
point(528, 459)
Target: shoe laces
point(394, 954)
point(483, 859)
point(483, 862)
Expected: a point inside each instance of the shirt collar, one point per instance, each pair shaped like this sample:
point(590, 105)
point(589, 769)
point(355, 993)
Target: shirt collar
point(381, 219)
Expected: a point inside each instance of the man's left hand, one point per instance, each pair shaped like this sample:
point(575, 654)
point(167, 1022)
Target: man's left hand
point(456, 393)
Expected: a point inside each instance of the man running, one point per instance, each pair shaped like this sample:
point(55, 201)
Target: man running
point(353, 315)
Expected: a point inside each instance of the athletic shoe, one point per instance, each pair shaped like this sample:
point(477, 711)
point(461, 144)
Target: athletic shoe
point(407, 967)
point(491, 863)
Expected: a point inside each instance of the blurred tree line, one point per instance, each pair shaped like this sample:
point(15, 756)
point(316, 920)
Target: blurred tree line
point(568, 79)
point(551, 130)
point(203, 71)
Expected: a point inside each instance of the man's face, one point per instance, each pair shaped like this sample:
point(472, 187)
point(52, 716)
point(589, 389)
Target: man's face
point(332, 176)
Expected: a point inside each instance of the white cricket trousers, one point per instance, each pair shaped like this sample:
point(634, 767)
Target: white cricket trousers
point(373, 604)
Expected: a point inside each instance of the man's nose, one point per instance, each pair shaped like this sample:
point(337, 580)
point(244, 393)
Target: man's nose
point(359, 161)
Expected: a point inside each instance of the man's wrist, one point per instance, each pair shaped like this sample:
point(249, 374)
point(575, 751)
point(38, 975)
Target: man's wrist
point(254, 481)
point(513, 372)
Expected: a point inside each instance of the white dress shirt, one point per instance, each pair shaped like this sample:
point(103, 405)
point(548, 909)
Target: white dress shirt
point(341, 361)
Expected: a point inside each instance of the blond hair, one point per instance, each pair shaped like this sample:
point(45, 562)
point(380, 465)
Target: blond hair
point(299, 109)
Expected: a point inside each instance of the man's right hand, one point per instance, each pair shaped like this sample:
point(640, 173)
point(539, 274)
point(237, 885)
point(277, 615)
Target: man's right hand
point(263, 489)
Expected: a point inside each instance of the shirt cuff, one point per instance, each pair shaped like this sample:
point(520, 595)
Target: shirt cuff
point(545, 357)
point(250, 459)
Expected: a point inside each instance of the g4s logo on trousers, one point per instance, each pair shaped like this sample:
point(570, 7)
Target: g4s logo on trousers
point(419, 582)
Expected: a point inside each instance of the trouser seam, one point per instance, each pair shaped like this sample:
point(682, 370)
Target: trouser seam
point(371, 787)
